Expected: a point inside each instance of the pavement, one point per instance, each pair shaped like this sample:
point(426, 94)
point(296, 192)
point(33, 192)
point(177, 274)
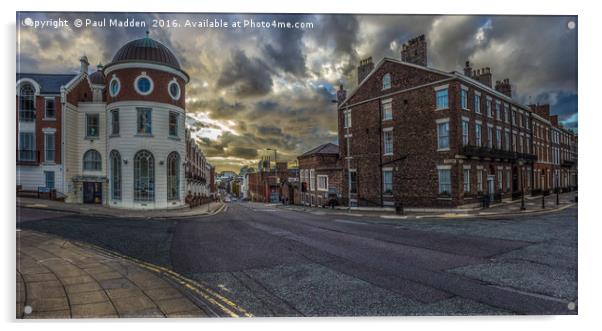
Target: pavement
point(93, 209)
point(533, 204)
point(58, 278)
point(269, 261)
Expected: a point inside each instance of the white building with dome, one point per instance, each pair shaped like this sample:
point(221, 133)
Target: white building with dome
point(123, 139)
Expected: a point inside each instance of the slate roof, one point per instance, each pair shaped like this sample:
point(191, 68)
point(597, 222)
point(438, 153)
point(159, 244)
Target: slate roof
point(328, 148)
point(49, 83)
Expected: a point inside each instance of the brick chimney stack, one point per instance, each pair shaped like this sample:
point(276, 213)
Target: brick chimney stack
point(504, 87)
point(483, 75)
point(84, 64)
point(468, 69)
point(541, 110)
point(365, 67)
point(414, 51)
point(341, 94)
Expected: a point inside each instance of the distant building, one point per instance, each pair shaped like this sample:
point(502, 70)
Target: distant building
point(320, 173)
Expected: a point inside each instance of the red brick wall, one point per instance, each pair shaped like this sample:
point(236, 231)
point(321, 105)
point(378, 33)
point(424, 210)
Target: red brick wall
point(159, 93)
point(415, 179)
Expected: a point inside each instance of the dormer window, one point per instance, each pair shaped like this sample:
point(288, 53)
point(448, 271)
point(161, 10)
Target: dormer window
point(386, 81)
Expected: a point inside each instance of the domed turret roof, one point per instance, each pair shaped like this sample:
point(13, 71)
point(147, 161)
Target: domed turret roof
point(146, 50)
point(98, 77)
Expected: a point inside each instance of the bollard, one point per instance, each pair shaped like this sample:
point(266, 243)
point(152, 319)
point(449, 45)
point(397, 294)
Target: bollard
point(543, 201)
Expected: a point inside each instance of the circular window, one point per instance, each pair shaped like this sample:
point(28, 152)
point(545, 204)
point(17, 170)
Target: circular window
point(114, 86)
point(174, 90)
point(143, 85)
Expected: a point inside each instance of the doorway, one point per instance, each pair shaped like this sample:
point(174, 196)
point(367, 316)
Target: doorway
point(93, 192)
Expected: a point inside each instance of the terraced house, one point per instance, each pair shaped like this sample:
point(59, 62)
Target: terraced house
point(418, 136)
point(115, 136)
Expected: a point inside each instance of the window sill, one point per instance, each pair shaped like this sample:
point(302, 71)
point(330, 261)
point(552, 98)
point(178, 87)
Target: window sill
point(144, 135)
point(91, 138)
point(114, 135)
point(52, 119)
point(387, 154)
point(444, 198)
point(443, 149)
point(465, 109)
point(49, 163)
point(174, 138)
point(439, 109)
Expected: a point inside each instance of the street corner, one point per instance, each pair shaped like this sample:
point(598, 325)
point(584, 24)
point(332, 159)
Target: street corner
point(61, 279)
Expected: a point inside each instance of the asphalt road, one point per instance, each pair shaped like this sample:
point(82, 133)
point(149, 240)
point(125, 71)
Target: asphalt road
point(276, 262)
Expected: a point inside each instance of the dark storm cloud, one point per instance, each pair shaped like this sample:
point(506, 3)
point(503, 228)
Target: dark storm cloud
point(287, 51)
point(248, 77)
point(217, 108)
point(269, 131)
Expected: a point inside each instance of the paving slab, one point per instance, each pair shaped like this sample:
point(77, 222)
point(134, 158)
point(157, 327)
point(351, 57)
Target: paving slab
point(57, 279)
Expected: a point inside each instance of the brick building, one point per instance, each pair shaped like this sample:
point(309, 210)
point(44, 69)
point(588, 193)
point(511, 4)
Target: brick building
point(39, 131)
point(115, 136)
point(414, 135)
point(271, 184)
point(320, 172)
point(197, 170)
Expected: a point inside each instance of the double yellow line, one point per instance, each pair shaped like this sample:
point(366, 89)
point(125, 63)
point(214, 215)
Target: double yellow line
point(226, 305)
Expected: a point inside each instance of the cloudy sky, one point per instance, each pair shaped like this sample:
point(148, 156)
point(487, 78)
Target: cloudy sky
point(258, 88)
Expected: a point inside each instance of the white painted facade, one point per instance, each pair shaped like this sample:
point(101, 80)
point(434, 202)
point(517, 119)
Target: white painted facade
point(128, 142)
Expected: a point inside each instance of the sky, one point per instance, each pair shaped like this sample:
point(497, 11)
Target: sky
point(252, 89)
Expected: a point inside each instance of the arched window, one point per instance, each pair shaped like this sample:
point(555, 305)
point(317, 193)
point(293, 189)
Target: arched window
point(173, 176)
point(386, 81)
point(115, 159)
point(144, 176)
point(92, 160)
point(27, 103)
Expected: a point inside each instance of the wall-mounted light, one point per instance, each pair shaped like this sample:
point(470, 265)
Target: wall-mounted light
point(161, 162)
point(125, 161)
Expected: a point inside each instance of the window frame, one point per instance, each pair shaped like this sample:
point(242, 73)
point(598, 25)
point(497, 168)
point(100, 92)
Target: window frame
point(173, 179)
point(143, 125)
point(387, 109)
point(150, 180)
point(93, 164)
point(440, 98)
point(318, 182)
point(178, 94)
point(441, 186)
point(386, 81)
point(444, 122)
point(115, 80)
point(115, 174)
point(151, 84)
point(387, 186)
point(47, 149)
point(46, 100)
point(31, 149)
point(115, 122)
point(90, 116)
point(388, 143)
point(175, 126)
point(466, 179)
point(465, 131)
